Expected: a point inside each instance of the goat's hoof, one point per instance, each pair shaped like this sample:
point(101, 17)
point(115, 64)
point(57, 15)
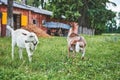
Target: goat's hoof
point(82, 58)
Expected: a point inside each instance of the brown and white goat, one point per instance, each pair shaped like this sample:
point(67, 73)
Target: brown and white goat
point(76, 43)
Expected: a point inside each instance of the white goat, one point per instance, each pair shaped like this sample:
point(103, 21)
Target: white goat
point(23, 39)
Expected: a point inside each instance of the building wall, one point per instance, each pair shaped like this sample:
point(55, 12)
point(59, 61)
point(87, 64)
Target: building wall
point(3, 10)
point(85, 30)
point(27, 18)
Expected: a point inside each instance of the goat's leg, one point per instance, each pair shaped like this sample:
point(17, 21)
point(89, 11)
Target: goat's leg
point(20, 53)
point(68, 51)
point(13, 45)
point(29, 54)
point(74, 54)
point(83, 53)
point(73, 51)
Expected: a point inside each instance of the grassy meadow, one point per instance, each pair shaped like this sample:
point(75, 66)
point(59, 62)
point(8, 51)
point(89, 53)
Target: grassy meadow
point(50, 61)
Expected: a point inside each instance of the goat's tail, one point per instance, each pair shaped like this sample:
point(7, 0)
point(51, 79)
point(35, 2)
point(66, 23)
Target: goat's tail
point(9, 28)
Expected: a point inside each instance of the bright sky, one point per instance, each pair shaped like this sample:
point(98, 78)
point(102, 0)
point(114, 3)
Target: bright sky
point(115, 8)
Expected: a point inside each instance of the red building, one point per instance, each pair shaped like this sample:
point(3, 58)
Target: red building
point(23, 16)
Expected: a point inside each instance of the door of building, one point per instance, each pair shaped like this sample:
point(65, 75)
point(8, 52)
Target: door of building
point(17, 21)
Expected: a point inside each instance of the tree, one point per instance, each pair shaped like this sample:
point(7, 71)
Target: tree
point(111, 26)
point(89, 13)
point(119, 15)
point(118, 29)
point(9, 15)
point(95, 15)
point(42, 3)
point(36, 3)
point(67, 8)
point(22, 1)
point(10, 12)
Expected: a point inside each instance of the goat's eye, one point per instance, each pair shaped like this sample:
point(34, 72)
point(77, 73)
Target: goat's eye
point(24, 34)
point(81, 46)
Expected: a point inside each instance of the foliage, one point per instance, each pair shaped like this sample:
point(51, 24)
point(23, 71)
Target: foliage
point(69, 9)
point(111, 26)
point(50, 60)
point(89, 13)
point(118, 15)
point(118, 30)
point(97, 14)
point(35, 3)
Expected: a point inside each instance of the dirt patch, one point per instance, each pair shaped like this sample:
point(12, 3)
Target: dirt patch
point(39, 32)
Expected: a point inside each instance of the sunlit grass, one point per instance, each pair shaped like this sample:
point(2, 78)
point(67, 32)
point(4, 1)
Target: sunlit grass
point(50, 61)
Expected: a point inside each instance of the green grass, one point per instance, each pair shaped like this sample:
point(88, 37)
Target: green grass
point(50, 62)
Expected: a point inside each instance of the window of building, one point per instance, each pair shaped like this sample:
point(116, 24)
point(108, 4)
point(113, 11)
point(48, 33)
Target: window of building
point(34, 21)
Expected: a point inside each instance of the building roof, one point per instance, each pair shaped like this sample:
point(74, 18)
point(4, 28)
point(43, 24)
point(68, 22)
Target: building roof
point(23, 6)
point(56, 25)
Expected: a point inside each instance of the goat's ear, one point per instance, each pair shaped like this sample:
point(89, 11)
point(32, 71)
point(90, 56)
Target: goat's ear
point(31, 36)
point(70, 23)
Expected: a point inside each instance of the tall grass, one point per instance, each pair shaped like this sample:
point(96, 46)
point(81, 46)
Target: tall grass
point(50, 61)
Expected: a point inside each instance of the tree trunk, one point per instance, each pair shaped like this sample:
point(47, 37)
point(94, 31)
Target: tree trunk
point(42, 2)
point(83, 20)
point(9, 16)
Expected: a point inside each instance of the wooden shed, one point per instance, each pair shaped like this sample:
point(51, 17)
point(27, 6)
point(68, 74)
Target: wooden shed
point(23, 16)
